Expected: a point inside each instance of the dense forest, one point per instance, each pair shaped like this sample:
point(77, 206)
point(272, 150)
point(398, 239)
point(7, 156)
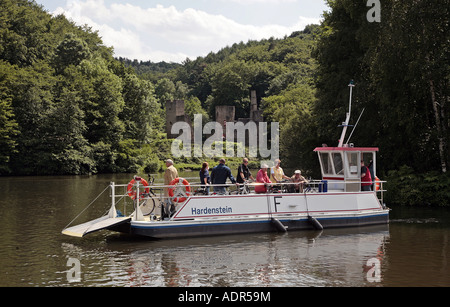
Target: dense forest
point(67, 106)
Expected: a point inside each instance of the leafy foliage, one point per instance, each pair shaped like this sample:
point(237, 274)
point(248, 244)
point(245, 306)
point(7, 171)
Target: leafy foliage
point(401, 69)
point(67, 107)
point(406, 187)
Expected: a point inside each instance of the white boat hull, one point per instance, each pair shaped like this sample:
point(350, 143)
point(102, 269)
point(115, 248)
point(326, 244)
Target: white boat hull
point(217, 215)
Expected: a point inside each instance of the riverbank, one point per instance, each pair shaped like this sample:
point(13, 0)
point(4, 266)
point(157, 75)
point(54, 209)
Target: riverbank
point(232, 163)
point(407, 188)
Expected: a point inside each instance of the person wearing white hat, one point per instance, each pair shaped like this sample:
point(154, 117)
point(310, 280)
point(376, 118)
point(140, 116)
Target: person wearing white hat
point(299, 180)
point(262, 180)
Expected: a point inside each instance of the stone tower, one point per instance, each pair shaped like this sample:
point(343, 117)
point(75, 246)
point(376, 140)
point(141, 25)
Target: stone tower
point(256, 115)
point(175, 113)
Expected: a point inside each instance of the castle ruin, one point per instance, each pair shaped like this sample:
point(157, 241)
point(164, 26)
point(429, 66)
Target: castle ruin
point(175, 112)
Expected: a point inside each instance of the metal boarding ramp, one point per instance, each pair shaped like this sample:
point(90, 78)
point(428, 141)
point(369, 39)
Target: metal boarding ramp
point(104, 222)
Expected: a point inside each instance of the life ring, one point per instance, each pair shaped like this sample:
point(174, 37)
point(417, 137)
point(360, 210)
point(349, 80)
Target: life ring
point(132, 193)
point(377, 183)
point(176, 181)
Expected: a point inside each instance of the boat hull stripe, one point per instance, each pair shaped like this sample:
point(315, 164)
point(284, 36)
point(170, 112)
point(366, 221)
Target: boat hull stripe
point(196, 228)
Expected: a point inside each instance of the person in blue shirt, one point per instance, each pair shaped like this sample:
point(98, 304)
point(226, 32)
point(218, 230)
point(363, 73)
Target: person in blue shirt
point(219, 175)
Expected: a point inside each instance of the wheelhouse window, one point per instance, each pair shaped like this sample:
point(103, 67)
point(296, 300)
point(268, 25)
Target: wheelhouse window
point(353, 164)
point(338, 164)
point(368, 158)
point(345, 163)
point(326, 163)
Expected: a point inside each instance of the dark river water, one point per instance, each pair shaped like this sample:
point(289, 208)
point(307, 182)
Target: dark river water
point(413, 250)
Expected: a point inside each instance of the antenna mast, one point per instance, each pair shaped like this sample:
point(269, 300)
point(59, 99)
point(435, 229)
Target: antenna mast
point(347, 120)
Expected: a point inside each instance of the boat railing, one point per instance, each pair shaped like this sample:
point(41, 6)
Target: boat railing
point(285, 187)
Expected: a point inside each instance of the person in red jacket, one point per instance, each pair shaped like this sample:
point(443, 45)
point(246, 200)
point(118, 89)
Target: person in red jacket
point(262, 180)
point(366, 178)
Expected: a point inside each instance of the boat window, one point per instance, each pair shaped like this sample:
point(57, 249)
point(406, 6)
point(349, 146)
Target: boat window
point(368, 158)
point(338, 165)
point(369, 161)
point(352, 164)
point(326, 163)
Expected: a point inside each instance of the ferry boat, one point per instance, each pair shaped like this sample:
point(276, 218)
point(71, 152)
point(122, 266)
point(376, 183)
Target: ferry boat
point(337, 200)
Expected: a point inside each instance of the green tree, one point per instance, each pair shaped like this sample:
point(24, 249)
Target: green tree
point(165, 90)
point(8, 125)
point(66, 106)
point(400, 67)
point(32, 101)
point(194, 75)
point(339, 54)
point(410, 73)
point(193, 106)
point(142, 114)
point(24, 38)
point(105, 103)
point(71, 51)
point(64, 132)
point(230, 86)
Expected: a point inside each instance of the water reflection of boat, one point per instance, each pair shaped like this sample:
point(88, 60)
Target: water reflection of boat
point(335, 201)
point(316, 259)
point(303, 258)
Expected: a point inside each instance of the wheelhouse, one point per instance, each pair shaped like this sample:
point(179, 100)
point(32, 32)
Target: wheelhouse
point(341, 166)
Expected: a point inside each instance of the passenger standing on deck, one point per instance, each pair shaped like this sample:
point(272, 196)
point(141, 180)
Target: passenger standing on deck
point(243, 173)
point(170, 174)
point(205, 179)
point(262, 180)
point(219, 175)
point(366, 178)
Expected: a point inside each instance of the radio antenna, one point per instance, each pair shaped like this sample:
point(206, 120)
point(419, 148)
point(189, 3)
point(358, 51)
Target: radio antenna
point(355, 126)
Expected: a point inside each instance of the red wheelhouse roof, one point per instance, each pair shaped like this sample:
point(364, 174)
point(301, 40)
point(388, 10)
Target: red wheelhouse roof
point(346, 149)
